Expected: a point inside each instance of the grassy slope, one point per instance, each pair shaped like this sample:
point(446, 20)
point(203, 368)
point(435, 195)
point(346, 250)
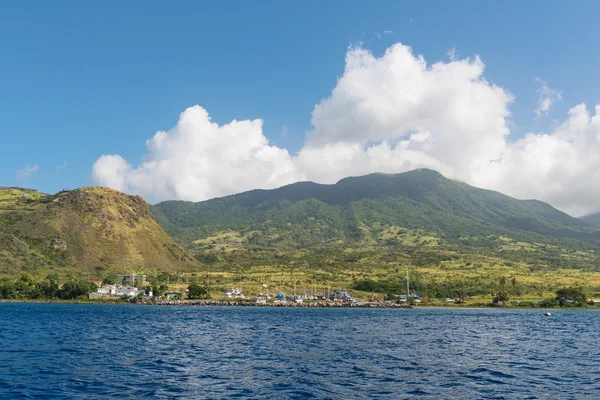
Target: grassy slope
point(89, 230)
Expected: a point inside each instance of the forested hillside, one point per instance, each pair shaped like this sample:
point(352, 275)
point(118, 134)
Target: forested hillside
point(363, 208)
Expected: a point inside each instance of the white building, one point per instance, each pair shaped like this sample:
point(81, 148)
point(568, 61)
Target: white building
point(107, 290)
point(127, 291)
point(234, 293)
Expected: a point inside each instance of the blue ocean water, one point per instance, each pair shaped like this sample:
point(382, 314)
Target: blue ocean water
point(73, 351)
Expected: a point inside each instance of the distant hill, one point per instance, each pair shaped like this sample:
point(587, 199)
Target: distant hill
point(88, 230)
point(592, 219)
point(366, 208)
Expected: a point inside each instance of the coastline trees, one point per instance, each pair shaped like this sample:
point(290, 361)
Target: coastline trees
point(196, 291)
point(575, 296)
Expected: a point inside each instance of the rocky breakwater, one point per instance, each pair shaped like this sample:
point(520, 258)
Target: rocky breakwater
point(312, 304)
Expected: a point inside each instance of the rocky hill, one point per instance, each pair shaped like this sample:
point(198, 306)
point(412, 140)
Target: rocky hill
point(90, 230)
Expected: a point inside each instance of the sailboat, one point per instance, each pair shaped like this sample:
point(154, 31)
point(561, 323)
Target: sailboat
point(408, 296)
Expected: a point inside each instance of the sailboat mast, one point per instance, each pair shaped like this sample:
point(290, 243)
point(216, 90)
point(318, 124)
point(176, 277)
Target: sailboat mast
point(407, 285)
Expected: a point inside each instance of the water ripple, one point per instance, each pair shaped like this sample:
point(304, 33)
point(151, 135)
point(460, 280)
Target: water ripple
point(67, 351)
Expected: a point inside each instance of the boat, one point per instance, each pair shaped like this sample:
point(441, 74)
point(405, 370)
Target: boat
point(547, 314)
point(409, 299)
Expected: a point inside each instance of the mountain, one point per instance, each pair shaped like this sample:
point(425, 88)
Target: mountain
point(89, 230)
point(592, 219)
point(372, 208)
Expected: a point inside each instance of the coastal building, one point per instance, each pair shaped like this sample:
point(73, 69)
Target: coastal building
point(127, 291)
point(172, 295)
point(234, 293)
point(340, 295)
point(116, 291)
point(108, 290)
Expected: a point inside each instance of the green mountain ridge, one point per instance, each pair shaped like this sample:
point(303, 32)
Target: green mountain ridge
point(592, 219)
point(368, 225)
point(308, 214)
point(88, 230)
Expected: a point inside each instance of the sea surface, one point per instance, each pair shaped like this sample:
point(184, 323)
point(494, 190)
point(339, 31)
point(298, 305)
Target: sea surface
point(75, 351)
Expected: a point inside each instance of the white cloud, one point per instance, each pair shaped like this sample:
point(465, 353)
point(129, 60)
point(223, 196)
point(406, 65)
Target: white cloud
point(198, 159)
point(561, 167)
point(24, 173)
point(547, 97)
point(61, 166)
point(388, 32)
point(398, 95)
point(113, 171)
point(386, 114)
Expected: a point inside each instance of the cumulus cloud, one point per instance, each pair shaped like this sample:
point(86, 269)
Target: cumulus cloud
point(386, 114)
point(198, 159)
point(445, 111)
point(24, 173)
point(547, 97)
point(561, 167)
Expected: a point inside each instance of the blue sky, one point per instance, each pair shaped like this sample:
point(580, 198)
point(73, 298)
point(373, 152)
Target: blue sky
point(79, 79)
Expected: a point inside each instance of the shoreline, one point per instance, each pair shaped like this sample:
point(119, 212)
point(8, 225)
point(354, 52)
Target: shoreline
point(316, 304)
point(330, 304)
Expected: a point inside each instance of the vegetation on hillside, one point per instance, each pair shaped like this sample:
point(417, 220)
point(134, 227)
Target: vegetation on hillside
point(357, 209)
point(89, 231)
point(362, 232)
point(592, 219)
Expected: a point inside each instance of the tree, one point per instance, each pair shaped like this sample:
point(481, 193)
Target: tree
point(49, 288)
point(24, 285)
point(158, 290)
point(109, 280)
point(74, 289)
point(8, 290)
point(196, 291)
point(571, 295)
point(501, 296)
point(502, 281)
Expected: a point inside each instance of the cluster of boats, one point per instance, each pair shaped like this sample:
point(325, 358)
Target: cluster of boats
point(281, 298)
